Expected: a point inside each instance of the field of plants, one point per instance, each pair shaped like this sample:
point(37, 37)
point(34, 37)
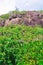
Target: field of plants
point(21, 45)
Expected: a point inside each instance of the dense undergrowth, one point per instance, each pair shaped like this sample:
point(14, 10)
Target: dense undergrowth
point(21, 45)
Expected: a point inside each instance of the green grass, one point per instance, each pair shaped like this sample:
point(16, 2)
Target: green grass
point(5, 16)
point(21, 45)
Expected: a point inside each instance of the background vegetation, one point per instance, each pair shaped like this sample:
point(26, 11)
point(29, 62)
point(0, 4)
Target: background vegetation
point(6, 16)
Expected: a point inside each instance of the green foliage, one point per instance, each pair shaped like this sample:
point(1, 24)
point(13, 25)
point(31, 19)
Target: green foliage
point(21, 45)
point(5, 16)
